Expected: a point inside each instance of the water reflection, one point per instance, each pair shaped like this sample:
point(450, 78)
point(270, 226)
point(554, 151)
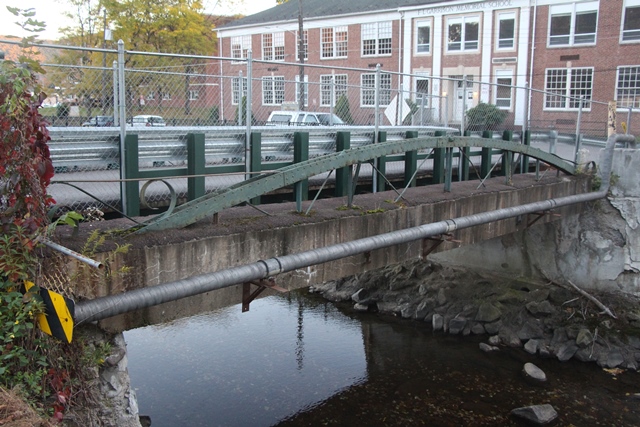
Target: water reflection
point(228, 368)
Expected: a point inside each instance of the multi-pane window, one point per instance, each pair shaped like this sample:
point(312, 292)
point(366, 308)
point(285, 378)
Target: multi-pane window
point(238, 89)
point(240, 46)
point(628, 87)
point(631, 21)
point(463, 33)
point(272, 90)
point(423, 37)
point(273, 47)
point(368, 89)
point(566, 86)
point(376, 38)
point(305, 88)
point(333, 42)
point(166, 96)
point(339, 88)
point(194, 94)
point(573, 24)
point(422, 91)
point(305, 42)
point(503, 90)
point(506, 30)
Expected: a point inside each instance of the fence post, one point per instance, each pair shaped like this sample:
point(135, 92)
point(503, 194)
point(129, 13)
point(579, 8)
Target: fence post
point(376, 121)
point(410, 162)
point(116, 109)
point(485, 163)
point(248, 116)
point(131, 206)
point(382, 163)
point(256, 158)
point(343, 175)
point(301, 154)
point(123, 128)
point(578, 135)
point(195, 165)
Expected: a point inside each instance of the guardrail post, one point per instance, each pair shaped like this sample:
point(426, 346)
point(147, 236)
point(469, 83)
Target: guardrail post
point(131, 197)
point(553, 140)
point(485, 163)
point(507, 158)
point(343, 175)
point(301, 154)
point(410, 162)
point(526, 140)
point(465, 154)
point(256, 158)
point(382, 164)
point(195, 165)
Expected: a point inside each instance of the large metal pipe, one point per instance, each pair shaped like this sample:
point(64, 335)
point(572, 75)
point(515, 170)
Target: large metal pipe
point(113, 305)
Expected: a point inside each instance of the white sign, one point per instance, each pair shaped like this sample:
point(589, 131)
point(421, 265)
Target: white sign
point(392, 109)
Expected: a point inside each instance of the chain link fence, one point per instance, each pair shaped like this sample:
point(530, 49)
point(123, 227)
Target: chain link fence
point(97, 96)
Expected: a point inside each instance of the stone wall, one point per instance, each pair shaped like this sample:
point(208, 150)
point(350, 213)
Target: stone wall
point(598, 249)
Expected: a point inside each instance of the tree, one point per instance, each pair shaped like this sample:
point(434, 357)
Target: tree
point(343, 110)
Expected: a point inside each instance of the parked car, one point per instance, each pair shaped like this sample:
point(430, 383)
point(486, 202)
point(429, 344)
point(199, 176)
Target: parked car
point(98, 121)
point(148, 121)
point(303, 118)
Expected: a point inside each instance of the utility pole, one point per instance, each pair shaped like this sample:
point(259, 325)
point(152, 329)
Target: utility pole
point(301, 92)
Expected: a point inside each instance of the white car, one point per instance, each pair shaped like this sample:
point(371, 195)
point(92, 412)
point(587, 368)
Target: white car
point(148, 121)
point(303, 118)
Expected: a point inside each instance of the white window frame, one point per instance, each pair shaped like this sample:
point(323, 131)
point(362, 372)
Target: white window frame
point(332, 44)
point(273, 88)
point(240, 47)
point(236, 96)
point(571, 87)
point(380, 34)
point(425, 46)
point(368, 89)
point(422, 77)
point(631, 86)
point(505, 16)
point(631, 36)
point(273, 46)
point(339, 88)
point(573, 10)
point(503, 75)
point(465, 44)
point(305, 88)
point(166, 96)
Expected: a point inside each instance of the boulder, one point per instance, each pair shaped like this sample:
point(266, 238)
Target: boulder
point(488, 313)
point(542, 308)
point(437, 322)
point(456, 325)
point(477, 329)
point(566, 351)
point(584, 338)
point(532, 371)
point(531, 346)
point(488, 348)
point(537, 414)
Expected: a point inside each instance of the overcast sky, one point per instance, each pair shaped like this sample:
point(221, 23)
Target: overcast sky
point(51, 12)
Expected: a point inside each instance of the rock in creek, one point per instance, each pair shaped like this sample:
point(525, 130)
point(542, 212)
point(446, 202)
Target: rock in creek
point(537, 414)
point(533, 372)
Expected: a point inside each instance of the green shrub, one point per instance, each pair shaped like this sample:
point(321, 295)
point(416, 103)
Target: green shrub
point(485, 117)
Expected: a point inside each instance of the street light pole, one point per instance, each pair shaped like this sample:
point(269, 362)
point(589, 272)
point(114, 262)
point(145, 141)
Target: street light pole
point(301, 92)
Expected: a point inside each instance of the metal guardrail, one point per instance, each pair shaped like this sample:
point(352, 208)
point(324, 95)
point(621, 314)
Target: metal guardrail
point(76, 149)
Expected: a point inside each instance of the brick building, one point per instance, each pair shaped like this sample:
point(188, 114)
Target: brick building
point(463, 51)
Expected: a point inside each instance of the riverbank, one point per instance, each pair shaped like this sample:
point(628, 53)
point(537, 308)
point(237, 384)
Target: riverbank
point(546, 319)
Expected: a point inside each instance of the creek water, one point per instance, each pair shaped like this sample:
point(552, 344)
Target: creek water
point(298, 360)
